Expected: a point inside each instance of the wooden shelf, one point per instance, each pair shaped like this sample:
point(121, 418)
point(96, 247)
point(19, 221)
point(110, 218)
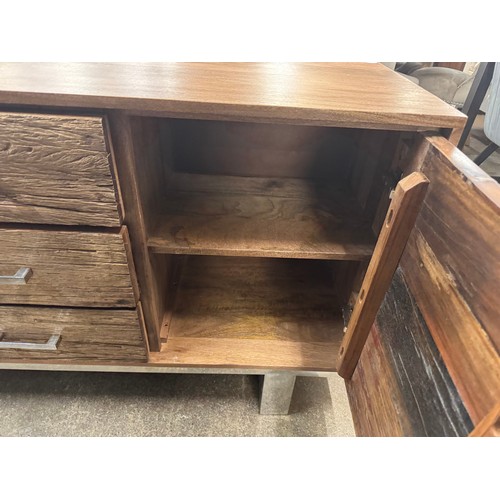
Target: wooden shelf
point(252, 313)
point(260, 217)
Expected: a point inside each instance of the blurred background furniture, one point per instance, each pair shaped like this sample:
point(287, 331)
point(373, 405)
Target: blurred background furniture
point(450, 84)
point(492, 116)
point(476, 97)
point(466, 86)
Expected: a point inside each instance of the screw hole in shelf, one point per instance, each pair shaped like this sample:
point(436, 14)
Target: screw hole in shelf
point(389, 217)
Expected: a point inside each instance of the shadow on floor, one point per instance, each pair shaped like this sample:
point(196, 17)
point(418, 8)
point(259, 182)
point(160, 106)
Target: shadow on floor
point(119, 404)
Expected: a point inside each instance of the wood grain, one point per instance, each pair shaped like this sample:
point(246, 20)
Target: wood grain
point(246, 354)
point(401, 386)
point(262, 149)
point(374, 397)
point(95, 335)
point(138, 156)
point(461, 223)
point(358, 95)
point(254, 305)
point(490, 425)
point(264, 217)
point(70, 268)
point(451, 264)
point(467, 350)
point(55, 170)
point(399, 222)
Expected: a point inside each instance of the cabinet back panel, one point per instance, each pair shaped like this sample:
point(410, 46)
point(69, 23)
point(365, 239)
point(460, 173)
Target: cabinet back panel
point(267, 150)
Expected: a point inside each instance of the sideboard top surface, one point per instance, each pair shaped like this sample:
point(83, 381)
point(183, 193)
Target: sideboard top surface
point(364, 95)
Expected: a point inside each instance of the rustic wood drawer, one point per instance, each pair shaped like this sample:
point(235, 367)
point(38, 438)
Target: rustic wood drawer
point(55, 170)
point(58, 334)
point(67, 268)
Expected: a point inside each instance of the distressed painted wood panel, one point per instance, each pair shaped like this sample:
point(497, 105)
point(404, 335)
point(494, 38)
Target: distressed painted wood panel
point(55, 170)
point(452, 266)
point(401, 386)
point(69, 268)
point(444, 355)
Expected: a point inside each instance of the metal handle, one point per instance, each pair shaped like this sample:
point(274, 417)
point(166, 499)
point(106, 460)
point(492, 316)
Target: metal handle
point(50, 345)
point(20, 278)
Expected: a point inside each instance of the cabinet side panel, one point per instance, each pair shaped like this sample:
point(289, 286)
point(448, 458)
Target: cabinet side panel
point(401, 386)
point(139, 162)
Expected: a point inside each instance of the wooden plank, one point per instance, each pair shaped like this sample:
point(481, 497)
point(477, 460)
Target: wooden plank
point(375, 399)
point(263, 149)
point(95, 335)
point(375, 152)
point(489, 425)
point(403, 376)
point(55, 170)
point(246, 354)
point(70, 268)
point(138, 162)
point(451, 264)
point(242, 310)
point(461, 224)
point(358, 95)
point(465, 346)
point(399, 222)
point(264, 217)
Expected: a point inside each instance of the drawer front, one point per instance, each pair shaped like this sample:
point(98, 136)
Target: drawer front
point(58, 334)
point(55, 170)
point(65, 268)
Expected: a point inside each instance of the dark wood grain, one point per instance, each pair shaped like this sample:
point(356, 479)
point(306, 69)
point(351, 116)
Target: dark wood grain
point(96, 335)
point(69, 268)
point(399, 222)
point(401, 386)
point(374, 396)
point(238, 311)
point(462, 226)
point(358, 95)
point(264, 217)
point(55, 170)
point(452, 265)
point(246, 354)
point(139, 162)
point(263, 149)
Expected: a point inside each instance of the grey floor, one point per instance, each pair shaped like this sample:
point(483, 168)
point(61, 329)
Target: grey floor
point(117, 404)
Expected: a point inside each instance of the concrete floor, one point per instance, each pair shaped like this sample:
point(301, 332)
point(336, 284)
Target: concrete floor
point(118, 404)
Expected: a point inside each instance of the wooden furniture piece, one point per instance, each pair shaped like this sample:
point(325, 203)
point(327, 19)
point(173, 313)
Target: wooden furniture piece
point(208, 217)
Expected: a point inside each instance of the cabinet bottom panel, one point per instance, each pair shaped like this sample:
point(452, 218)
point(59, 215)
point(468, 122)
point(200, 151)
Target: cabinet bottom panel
point(252, 313)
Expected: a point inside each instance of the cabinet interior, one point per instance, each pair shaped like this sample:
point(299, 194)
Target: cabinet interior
point(259, 234)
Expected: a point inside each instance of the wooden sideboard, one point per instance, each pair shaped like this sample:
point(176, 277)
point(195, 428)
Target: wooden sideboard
point(220, 217)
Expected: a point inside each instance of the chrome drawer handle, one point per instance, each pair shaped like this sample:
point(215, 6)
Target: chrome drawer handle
point(20, 278)
point(50, 345)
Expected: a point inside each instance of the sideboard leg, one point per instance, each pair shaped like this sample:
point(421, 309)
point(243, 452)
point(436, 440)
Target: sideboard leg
point(277, 390)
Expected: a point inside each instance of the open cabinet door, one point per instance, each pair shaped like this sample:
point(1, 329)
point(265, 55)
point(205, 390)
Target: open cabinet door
point(431, 364)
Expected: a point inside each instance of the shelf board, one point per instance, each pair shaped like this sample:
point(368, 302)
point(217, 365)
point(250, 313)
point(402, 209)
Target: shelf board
point(260, 217)
point(252, 313)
